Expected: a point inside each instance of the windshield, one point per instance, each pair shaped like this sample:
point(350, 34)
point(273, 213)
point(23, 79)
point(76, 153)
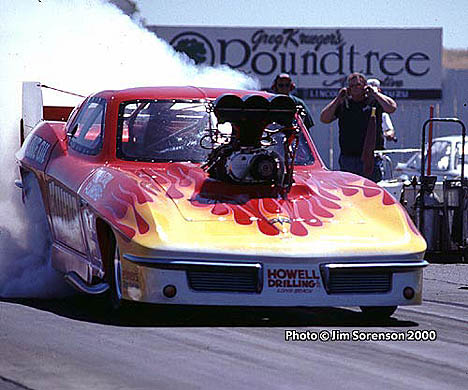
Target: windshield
point(178, 130)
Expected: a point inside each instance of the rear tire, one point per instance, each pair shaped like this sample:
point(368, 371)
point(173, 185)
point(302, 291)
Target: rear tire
point(378, 312)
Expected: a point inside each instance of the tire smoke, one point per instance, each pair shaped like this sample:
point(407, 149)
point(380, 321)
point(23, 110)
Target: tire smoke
point(83, 47)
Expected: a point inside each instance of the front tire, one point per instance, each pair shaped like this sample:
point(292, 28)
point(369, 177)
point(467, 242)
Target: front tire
point(378, 312)
point(114, 277)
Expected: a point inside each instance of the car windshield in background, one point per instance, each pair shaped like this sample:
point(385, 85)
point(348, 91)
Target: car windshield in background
point(440, 157)
point(178, 130)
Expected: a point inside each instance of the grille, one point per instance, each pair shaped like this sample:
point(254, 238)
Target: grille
point(236, 280)
point(348, 282)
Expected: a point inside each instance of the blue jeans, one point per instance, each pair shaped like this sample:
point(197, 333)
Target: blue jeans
point(354, 164)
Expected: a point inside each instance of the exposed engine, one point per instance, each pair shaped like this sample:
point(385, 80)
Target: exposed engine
point(250, 154)
point(248, 165)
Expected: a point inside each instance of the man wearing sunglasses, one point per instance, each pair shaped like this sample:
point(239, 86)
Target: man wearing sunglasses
point(284, 85)
point(353, 108)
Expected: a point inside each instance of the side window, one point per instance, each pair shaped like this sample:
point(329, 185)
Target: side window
point(415, 161)
point(88, 127)
point(458, 155)
point(441, 152)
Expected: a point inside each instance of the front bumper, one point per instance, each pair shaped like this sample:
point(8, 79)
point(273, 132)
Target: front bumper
point(272, 281)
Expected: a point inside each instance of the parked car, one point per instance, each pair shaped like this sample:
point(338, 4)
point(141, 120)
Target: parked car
point(445, 160)
point(202, 196)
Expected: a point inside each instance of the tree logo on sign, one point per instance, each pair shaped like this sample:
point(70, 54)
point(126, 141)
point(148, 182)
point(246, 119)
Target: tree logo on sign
point(196, 46)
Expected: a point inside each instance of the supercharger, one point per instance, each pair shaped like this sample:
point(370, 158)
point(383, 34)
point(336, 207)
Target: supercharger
point(255, 165)
point(252, 154)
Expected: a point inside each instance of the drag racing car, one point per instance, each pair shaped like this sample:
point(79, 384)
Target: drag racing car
point(203, 196)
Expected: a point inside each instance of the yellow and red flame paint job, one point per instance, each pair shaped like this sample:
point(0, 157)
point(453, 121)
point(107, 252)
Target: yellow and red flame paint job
point(328, 213)
point(170, 211)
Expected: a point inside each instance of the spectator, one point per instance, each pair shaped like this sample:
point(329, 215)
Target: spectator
point(353, 107)
point(387, 125)
point(284, 85)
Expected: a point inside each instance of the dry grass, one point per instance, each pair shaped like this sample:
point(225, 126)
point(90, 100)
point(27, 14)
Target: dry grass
point(455, 58)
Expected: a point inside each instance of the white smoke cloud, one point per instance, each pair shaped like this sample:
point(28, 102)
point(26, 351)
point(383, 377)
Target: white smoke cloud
point(82, 46)
point(25, 257)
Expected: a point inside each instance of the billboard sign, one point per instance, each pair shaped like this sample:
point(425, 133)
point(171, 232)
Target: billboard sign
point(407, 61)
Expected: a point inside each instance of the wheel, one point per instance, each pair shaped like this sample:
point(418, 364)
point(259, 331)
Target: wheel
point(378, 312)
point(114, 278)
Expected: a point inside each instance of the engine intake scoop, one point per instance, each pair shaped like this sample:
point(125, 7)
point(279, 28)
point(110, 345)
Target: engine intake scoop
point(252, 113)
point(256, 152)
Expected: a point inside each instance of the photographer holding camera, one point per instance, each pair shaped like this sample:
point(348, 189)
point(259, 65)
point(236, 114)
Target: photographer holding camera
point(358, 136)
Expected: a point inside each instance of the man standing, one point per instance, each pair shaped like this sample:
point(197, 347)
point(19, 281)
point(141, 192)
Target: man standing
point(353, 107)
point(284, 85)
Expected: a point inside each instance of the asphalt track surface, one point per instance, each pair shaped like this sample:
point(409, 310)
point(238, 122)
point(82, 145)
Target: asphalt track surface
point(75, 344)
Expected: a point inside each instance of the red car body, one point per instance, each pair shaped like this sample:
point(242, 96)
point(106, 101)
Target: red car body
point(166, 232)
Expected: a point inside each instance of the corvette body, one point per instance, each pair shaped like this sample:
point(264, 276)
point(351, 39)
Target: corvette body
point(172, 218)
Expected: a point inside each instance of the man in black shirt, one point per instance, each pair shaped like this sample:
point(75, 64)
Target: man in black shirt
point(284, 85)
point(353, 107)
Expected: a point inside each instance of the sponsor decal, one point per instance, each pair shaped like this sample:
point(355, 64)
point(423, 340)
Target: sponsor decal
point(293, 280)
point(37, 149)
point(131, 283)
point(95, 188)
point(130, 278)
point(280, 219)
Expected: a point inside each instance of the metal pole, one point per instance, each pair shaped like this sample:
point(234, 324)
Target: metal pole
point(429, 142)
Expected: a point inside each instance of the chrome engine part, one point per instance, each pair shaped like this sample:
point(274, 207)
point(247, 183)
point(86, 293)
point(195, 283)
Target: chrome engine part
point(255, 166)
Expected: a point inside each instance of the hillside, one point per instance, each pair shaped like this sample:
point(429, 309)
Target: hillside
point(455, 58)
